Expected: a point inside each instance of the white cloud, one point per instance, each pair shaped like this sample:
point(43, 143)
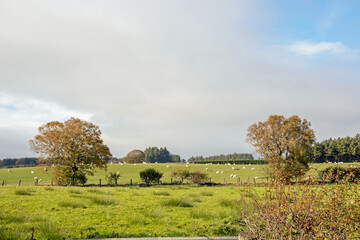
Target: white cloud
point(311, 49)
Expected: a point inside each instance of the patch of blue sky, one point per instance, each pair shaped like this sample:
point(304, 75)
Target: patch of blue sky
point(8, 106)
point(316, 21)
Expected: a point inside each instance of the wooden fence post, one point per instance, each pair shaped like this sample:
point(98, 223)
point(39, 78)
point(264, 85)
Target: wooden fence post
point(100, 182)
point(19, 182)
point(130, 181)
point(3, 183)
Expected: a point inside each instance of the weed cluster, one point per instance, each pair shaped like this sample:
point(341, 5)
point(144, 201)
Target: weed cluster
point(304, 211)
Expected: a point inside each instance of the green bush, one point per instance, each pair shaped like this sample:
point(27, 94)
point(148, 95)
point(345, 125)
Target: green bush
point(150, 175)
point(198, 177)
point(180, 174)
point(112, 178)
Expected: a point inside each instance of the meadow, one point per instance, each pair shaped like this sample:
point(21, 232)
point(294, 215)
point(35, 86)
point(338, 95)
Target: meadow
point(77, 212)
point(52, 212)
point(128, 172)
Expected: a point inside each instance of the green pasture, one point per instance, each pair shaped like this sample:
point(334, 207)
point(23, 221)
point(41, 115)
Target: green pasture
point(244, 173)
point(77, 212)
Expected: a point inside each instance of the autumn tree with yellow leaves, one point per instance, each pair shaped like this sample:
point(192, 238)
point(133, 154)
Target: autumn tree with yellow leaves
point(283, 142)
point(74, 147)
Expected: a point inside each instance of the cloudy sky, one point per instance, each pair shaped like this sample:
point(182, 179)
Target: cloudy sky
point(191, 75)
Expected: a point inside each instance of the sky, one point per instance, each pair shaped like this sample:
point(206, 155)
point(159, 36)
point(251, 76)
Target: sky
point(191, 75)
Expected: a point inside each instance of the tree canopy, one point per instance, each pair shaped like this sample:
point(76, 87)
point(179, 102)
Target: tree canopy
point(346, 149)
point(74, 146)
point(162, 155)
point(135, 156)
point(284, 143)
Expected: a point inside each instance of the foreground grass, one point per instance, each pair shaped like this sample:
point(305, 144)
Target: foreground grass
point(63, 212)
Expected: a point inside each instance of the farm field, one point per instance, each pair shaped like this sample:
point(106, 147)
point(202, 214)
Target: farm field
point(131, 171)
point(77, 212)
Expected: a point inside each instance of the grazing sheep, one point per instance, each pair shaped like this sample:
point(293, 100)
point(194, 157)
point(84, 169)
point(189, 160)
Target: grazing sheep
point(256, 177)
point(222, 172)
point(187, 165)
point(167, 166)
point(9, 170)
point(234, 176)
point(253, 169)
point(32, 172)
point(206, 169)
point(217, 171)
point(35, 178)
point(243, 167)
point(232, 168)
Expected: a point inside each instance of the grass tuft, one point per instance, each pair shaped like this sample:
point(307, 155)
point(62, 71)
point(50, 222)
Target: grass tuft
point(161, 193)
point(75, 191)
point(177, 202)
point(76, 204)
point(48, 230)
point(49, 188)
point(22, 191)
point(102, 200)
point(207, 193)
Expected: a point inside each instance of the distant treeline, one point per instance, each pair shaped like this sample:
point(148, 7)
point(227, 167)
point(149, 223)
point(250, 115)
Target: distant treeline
point(242, 162)
point(18, 162)
point(222, 157)
point(160, 155)
point(345, 149)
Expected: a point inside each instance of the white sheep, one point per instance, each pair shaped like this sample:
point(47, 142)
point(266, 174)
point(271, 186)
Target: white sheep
point(232, 168)
point(243, 167)
point(256, 177)
point(167, 166)
point(35, 178)
point(9, 170)
point(231, 175)
point(252, 169)
point(32, 172)
point(234, 176)
point(217, 171)
point(206, 169)
point(222, 172)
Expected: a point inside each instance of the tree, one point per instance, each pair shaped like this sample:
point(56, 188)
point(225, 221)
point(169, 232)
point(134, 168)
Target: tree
point(162, 155)
point(150, 175)
point(135, 156)
point(283, 142)
point(181, 174)
point(75, 147)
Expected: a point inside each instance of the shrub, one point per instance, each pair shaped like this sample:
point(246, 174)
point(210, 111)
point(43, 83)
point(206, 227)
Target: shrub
point(198, 177)
point(150, 175)
point(112, 178)
point(337, 174)
point(304, 211)
point(180, 174)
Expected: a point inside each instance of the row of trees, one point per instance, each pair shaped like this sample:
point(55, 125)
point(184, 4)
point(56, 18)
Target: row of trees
point(18, 162)
point(345, 149)
point(222, 157)
point(160, 155)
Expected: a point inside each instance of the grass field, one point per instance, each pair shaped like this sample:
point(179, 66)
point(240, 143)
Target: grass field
point(131, 171)
point(46, 212)
point(76, 212)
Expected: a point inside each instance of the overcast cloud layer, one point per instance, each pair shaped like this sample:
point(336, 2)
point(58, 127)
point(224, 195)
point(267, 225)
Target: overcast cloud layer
point(189, 75)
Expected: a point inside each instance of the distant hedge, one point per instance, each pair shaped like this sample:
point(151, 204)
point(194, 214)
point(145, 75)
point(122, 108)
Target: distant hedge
point(240, 161)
